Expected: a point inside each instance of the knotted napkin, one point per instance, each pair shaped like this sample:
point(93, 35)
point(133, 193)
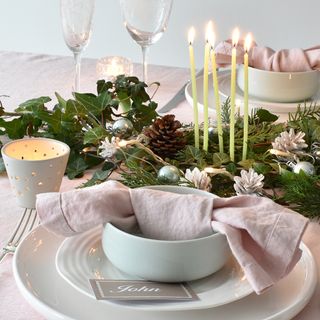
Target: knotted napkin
point(286, 60)
point(263, 236)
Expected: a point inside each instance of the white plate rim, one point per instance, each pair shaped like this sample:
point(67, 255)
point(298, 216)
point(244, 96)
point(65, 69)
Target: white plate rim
point(194, 305)
point(45, 309)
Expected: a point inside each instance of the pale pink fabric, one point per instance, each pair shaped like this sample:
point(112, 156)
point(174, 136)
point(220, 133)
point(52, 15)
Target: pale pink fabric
point(263, 236)
point(285, 60)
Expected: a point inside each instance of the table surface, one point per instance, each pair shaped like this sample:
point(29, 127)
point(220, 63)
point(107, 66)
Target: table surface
point(24, 76)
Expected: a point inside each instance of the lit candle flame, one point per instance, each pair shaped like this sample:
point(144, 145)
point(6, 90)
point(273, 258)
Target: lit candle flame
point(235, 37)
point(247, 42)
point(191, 35)
point(209, 32)
point(212, 40)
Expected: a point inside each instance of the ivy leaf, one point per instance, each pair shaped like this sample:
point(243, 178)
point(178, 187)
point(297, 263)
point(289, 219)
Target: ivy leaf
point(52, 119)
point(232, 168)
point(15, 129)
point(89, 101)
point(76, 166)
point(94, 135)
point(74, 108)
point(62, 102)
point(261, 168)
point(104, 99)
point(103, 86)
point(193, 152)
point(220, 158)
point(266, 116)
point(246, 164)
point(32, 105)
point(100, 175)
point(125, 101)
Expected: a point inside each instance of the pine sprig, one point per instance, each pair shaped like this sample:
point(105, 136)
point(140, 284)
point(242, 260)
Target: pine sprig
point(135, 176)
point(302, 192)
point(306, 111)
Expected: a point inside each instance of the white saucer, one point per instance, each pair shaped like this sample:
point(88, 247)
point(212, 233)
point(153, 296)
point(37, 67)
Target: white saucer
point(224, 90)
point(41, 285)
point(81, 258)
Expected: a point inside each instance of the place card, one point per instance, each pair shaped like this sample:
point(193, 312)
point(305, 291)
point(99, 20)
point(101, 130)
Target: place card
point(141, 290)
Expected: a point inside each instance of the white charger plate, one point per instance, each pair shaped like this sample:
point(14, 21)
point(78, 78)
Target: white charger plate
point(41, 285)
point(81, 258)
point(224, 78)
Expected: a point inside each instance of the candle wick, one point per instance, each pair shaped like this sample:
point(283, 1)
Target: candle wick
point(190, 43)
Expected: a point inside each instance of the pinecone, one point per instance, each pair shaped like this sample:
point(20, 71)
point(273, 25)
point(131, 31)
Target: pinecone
point(250, 182)
point(290, 141)
point(165, 137)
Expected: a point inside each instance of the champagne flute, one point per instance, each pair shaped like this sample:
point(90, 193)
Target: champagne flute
point(76, 18)
point(146, 21)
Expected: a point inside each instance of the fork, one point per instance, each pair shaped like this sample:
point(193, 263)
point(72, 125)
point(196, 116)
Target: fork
point(27, 222)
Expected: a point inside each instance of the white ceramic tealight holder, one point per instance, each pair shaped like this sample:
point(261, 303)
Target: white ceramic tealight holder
point(34, 165)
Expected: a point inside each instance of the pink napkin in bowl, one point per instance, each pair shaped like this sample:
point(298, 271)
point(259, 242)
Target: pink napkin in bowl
point(285, 60)
point(264, 237)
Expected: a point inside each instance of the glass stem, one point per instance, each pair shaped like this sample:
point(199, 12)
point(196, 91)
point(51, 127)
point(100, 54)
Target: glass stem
point(77, 61)
point(145, 51)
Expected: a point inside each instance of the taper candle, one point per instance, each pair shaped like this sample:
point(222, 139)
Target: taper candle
point(191, 35)
point(235, 39)
point(247, 45)
point(216, 93)
point(205, 87)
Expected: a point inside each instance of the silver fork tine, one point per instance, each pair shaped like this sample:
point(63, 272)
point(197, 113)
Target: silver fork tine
point(33, 222)
point(18, 226)
point(22, 231)
point(24, 226)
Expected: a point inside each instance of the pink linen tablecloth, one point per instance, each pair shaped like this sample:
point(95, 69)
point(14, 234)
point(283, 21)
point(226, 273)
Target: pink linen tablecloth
point(24, 76)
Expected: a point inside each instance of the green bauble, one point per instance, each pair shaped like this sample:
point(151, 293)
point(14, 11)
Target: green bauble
point(122, 128)
point(169, 174)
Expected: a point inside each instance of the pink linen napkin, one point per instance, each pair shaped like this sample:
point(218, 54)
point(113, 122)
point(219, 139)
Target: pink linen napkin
point(285, 60)
point(264, 237)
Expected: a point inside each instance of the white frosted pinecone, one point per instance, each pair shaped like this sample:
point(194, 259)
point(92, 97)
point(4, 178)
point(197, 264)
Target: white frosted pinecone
point(249, 182)
point(289, 141)
point(200, 179)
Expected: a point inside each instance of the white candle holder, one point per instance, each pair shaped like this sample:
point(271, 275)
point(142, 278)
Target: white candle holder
point(34, 165)
point(109, 68)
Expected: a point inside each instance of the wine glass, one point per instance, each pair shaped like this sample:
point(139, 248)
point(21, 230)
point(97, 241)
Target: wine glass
point(146, 21)
point(76, 18)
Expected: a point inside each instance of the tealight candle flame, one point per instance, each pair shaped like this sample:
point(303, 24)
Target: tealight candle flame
point(247, 42)
point(191, 35)
point(235, 37)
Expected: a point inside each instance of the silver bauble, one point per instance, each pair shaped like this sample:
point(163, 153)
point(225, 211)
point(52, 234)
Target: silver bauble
point(211, 132)
point(305, 166)
point(169, 174)
point(122, 128)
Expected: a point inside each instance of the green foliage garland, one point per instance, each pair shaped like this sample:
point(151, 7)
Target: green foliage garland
point(81, 123)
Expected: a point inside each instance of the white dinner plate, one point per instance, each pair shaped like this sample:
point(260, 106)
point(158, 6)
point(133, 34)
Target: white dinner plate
point(81, 258)
point(39, 282)
point(224, 90)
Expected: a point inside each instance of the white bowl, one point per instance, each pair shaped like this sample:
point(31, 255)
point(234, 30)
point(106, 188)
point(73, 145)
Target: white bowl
point(280, 86)
point(166, 261)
